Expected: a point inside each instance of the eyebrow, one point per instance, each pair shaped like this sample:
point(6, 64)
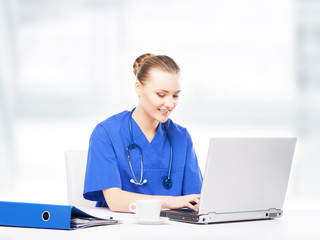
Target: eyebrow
point(168, 91)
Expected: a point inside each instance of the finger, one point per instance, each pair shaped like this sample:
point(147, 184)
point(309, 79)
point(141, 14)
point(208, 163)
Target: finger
point(197, 200)
point(196, 197)
point(194, 208)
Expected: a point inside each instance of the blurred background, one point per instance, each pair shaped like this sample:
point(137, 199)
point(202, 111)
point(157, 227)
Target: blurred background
point(249, 68)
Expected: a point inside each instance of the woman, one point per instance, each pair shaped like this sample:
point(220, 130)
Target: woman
point(143, 154)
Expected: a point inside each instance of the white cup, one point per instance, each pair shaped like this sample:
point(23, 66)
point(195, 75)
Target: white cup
point(146, 208)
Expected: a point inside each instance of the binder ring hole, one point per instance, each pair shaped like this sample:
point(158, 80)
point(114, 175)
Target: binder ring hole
point(45, 216)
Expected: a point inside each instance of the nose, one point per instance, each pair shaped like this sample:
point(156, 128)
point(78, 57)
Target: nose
point(171, 102)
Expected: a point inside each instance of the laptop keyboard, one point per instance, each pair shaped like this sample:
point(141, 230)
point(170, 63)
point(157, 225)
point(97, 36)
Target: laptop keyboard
point(182, 211)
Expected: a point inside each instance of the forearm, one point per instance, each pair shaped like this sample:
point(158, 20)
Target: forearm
point(118, 200)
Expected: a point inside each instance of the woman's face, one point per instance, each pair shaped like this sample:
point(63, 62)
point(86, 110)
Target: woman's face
point(159, 95)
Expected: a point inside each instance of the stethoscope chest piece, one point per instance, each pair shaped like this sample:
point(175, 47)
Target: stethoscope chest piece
point(167, 182)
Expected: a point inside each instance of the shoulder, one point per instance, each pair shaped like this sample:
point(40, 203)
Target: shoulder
point(176, 129)
point(112, 123)
point(115, 119)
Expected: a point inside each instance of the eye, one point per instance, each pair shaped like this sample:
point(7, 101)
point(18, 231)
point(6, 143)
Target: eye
point(175, 96)
point(161, 95)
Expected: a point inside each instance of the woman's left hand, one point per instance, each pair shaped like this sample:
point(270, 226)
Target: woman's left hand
point(187, 201)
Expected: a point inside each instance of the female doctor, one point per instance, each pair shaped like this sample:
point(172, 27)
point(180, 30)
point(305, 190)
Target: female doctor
point(142, 153)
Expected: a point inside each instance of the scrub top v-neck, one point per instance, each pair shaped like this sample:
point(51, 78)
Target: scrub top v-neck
point(108, 167)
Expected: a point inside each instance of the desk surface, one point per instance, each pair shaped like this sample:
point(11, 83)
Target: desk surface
point(295, 224)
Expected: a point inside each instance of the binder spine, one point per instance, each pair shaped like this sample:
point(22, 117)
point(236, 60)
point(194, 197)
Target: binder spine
point(35, 215)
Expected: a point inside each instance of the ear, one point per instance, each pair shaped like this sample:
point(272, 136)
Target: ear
point(138, 87)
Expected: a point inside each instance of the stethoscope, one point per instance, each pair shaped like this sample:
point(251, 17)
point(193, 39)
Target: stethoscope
point(166, 180)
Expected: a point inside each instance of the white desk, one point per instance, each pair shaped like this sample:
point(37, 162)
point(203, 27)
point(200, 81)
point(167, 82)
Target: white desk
point(295, 224)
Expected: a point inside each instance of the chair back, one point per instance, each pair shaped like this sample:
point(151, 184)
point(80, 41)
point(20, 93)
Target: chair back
point(76, 162)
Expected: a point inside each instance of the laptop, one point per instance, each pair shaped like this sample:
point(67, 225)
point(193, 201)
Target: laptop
point(244, 179)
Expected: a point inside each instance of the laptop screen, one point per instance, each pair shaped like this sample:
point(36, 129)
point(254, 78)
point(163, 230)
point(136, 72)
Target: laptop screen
point(246, 174)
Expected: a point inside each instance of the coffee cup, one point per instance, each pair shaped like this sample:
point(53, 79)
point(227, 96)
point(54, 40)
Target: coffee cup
point(146, 208)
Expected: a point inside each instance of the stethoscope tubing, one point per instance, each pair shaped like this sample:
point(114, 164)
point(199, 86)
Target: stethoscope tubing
point(134, 145)
point(170, 143)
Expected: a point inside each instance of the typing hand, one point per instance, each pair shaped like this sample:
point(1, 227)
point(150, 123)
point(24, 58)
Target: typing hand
point(186, 201)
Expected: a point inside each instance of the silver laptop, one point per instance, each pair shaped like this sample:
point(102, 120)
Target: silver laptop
point(244, 179)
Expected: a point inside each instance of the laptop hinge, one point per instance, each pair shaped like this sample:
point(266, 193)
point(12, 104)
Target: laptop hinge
point(274, 213)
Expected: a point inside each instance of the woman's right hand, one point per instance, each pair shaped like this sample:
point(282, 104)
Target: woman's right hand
point(187, 201)
point(118, 200)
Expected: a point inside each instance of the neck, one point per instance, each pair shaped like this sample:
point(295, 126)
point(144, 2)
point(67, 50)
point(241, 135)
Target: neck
point(146, 123)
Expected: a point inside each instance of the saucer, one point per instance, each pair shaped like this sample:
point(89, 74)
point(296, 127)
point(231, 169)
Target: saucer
point(146, 221)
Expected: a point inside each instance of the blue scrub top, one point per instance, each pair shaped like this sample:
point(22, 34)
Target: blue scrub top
point(108, 166)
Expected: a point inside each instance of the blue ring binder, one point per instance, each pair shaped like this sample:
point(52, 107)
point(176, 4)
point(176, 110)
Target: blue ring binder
point(37, 215)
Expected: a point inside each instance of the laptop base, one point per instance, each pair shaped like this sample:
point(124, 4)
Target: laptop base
point(194, 217)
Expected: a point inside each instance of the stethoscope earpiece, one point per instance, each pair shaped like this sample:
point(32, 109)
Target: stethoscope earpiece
point(166, 181)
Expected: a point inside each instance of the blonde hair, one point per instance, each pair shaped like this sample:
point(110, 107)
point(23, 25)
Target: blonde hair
point(146, 62)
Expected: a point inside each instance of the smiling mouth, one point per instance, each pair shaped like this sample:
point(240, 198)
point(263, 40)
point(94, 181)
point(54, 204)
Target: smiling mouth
point(164, 110)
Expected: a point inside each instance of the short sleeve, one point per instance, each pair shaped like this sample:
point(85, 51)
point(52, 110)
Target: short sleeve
point(192, 181)
point(102, 166)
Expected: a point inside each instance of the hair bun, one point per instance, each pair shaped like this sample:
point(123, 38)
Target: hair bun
point(139, 61)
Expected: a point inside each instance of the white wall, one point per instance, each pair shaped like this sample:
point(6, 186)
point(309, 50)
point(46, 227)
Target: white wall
point(71, 68)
